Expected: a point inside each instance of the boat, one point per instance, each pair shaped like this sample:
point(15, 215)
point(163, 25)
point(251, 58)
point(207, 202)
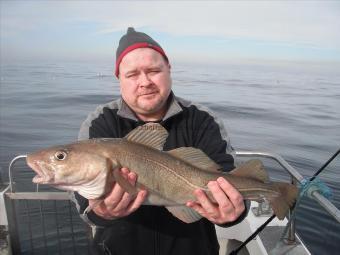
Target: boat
point(39, 209)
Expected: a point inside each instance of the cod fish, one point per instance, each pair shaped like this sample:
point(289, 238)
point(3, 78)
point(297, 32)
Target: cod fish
point(90, 167)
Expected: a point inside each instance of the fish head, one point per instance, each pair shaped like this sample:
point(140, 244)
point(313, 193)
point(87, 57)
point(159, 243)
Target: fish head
point(68, 165)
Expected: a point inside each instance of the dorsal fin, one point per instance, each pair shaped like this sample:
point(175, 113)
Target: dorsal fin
point(251, 169)
point(195, 157)
point(150, 134)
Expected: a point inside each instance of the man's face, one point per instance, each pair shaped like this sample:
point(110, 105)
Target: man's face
point(145, 82)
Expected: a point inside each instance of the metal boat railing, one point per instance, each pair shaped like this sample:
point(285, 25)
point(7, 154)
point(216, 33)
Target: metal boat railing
point(11, 196)
point(44, 222)
point(295, 177)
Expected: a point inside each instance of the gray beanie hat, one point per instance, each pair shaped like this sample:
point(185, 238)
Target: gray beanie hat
point(133, 40)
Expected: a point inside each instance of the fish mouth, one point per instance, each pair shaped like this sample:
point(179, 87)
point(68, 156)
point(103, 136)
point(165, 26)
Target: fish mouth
point(44, 175)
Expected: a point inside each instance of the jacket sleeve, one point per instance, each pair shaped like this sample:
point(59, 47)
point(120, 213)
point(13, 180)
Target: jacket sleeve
point(211, 137)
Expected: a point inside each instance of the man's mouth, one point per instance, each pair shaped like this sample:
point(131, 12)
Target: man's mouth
point(149, 93)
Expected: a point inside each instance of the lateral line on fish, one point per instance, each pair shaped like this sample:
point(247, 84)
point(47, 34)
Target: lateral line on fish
point(191, 184)
point(175, 173)
point(254, 189)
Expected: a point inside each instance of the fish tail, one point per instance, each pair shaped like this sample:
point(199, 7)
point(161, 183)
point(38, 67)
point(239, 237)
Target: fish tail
point(282, 203)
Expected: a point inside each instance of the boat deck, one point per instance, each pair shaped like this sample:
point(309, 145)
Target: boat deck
point(270, 237)
point(267, 242)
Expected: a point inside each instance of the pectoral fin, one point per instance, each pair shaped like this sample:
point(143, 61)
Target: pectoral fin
point(184, 213)
point(124, 183)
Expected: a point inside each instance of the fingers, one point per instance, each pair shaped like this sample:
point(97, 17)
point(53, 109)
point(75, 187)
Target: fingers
point(136, 203)
point(130, 203)
point(117, 197)
point(210, 208)
point(118, 202)
point(198, 208)
point(235, 198)
point(225, 204)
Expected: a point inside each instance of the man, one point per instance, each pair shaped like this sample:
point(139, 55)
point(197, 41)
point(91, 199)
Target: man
point(123, 224)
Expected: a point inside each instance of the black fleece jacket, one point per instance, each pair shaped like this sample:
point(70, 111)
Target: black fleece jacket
point(152, 230)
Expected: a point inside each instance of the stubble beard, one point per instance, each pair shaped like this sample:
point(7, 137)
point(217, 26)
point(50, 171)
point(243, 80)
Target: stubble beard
point(151, 106)
point(155, 108)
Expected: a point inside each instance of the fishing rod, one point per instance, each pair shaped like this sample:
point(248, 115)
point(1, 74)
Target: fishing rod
point(253, 235)
point(325, 165)
point(259, 229)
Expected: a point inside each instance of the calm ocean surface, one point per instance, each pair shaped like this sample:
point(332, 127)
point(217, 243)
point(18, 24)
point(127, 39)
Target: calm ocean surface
point(294, 112)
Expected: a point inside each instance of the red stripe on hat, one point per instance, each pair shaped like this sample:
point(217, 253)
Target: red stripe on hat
point(136, 46)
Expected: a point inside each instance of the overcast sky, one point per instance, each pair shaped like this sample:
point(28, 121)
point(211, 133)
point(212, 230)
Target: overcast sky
point(193, 30)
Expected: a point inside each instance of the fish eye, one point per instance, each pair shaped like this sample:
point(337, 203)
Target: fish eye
point(60, 155)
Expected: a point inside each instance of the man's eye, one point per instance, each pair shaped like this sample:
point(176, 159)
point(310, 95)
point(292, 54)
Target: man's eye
point(131, 75)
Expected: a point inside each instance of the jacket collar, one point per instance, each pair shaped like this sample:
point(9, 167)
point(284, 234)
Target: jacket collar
point(126, 112)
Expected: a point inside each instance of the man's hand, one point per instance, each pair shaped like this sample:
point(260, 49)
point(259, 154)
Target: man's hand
point(229, 203)
point(119, 203)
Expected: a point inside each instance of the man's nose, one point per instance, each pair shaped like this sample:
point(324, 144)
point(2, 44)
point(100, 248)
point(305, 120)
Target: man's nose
point(143, 79)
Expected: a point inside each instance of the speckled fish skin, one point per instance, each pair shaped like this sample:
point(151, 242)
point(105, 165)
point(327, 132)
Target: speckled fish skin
point(90, 168)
